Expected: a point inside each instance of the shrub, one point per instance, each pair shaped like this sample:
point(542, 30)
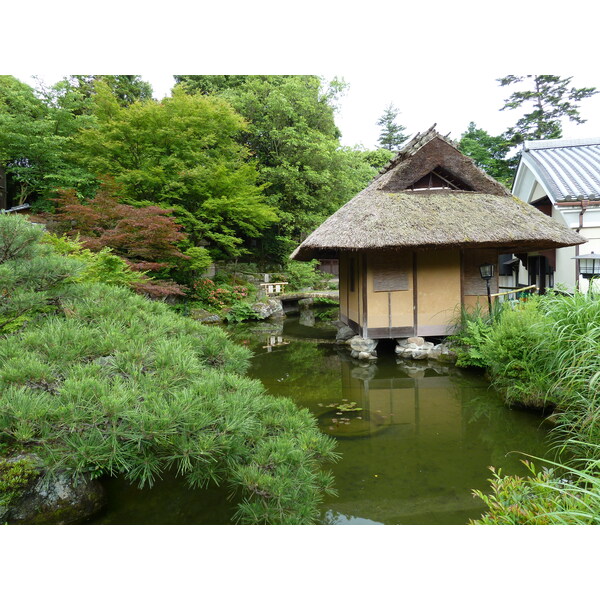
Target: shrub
point(32, 277)
point(240, 311)
point(472, 333)
point(125, 386)
point(105, 267)
point(512, 353)
point(114, 384)
point(216, 296)
point(302, 275)
point(546, 497)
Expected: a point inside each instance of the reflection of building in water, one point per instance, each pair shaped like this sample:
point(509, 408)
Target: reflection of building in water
point(426, 406)
point(275, 340)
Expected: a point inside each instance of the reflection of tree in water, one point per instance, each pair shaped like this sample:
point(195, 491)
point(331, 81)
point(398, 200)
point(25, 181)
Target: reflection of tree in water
point(508, 438)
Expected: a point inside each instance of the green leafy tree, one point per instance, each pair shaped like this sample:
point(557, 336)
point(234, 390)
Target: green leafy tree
point(34, 140)
point(182, 153)
point(489, 153)
point(550, 99)
point(293, 136)
point(126, 89)
point(391, 136)
point(376, 159)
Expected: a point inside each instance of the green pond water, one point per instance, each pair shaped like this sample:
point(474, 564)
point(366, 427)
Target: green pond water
point(418, 438)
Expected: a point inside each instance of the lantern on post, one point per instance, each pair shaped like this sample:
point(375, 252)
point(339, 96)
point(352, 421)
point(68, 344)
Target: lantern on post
point(487, 272)
point(589, 265)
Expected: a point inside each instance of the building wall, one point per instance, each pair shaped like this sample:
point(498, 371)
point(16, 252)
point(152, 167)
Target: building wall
point(390, 298)
point(438, 291)
point(411, 293)
point(474, 288)
point(351, 302)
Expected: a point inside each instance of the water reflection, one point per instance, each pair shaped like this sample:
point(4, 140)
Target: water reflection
point(415, 438)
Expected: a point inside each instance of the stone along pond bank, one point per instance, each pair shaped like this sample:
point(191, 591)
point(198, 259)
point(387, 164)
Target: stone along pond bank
point(413, 348)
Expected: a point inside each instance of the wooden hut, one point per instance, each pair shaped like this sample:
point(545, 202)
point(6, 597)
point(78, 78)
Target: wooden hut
point(411, 243)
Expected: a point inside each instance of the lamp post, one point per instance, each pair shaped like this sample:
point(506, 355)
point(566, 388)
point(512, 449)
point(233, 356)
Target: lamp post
point(589, 266)
point(487, 272)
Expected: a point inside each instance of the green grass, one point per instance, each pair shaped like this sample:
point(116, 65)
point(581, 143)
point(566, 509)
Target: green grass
point(545, 353)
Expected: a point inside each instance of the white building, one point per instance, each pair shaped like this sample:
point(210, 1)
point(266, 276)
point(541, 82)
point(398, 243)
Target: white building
point(562, 179)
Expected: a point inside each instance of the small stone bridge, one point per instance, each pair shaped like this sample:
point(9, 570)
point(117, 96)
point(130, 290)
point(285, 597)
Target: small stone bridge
point(288, 296)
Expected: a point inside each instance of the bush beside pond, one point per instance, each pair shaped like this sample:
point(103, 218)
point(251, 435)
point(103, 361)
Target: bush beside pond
point(110, 383)
point(543, 354)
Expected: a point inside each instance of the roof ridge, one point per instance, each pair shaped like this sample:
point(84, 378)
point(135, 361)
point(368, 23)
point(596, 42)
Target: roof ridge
point(414, 144)
point(559, 143)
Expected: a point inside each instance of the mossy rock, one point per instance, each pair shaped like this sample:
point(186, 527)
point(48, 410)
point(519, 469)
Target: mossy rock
point(27, 497)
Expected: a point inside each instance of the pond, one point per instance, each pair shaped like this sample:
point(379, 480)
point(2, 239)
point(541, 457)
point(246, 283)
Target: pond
point(415, 437)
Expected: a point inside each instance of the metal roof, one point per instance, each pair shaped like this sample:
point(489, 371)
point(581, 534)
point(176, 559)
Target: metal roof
point(568, 169)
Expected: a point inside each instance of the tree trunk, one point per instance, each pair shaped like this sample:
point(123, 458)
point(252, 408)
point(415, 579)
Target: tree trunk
point(3, 189)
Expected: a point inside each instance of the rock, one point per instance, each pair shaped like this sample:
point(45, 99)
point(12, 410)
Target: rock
point(417, 348)
point(435, 352)
point(55, 501)
point(270, 307)
point(306, 302)
point(344, 334)
point(307, 318)
point(364, 355)
point(204, 316)
point(361, 344)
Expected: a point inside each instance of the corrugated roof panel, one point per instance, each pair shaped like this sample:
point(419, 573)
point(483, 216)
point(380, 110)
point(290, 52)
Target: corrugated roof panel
point(569, 171)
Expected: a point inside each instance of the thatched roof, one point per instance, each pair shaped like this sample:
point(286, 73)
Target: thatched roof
point(477, 212)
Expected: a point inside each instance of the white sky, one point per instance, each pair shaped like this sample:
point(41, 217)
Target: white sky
point(436, 61)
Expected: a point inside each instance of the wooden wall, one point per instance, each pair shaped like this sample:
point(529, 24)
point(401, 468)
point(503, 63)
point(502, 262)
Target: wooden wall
point(397, 293)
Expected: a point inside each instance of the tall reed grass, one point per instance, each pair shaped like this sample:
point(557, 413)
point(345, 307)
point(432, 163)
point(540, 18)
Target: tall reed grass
point(545, 353)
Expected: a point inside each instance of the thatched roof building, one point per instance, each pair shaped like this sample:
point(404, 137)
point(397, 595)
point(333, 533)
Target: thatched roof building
point(411, 243)
point(430, 197)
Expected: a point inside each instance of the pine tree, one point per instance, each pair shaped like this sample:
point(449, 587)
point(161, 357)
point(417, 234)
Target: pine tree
point(551, 100)
point(392, 136)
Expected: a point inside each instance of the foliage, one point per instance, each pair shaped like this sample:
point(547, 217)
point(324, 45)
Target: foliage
point(198, 259)
point(293, 137)
point(377, 159)
point(102, 266)
point(301, 275)
point(511, 352)
point(147, 236)
point(218, 296)
point(34, 140)
point(118, 385)
point(126, 89)
point(550, 99)
point(15, 477)
point(489, 153)
point(542, 498)
point(544, 353)
point(391, 136)
point(180, 152)
point(470, 337)
point(31, 276)
point(240, 311)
